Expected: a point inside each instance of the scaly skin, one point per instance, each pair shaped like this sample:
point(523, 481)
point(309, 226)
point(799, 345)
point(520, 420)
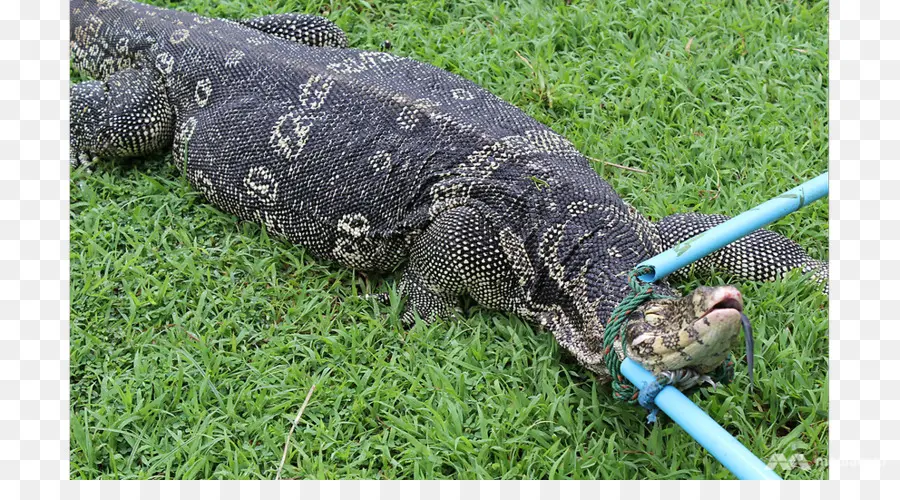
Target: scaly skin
point(377, 162)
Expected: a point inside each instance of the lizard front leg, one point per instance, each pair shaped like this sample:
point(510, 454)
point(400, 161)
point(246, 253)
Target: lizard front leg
point(126, 115)
point(459, 253)
point(760, 256)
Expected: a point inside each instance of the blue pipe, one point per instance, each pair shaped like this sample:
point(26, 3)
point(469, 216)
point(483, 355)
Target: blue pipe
point(722, 445)
point(734, 229)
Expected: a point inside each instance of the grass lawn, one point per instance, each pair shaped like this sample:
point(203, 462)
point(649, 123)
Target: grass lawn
point(195, 337)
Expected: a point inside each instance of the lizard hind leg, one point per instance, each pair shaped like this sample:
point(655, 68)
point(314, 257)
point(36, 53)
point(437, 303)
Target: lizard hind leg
point(126, 115)
point(314, 31)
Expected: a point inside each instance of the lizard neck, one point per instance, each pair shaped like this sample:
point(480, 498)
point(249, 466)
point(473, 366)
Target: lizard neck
point(586, 260)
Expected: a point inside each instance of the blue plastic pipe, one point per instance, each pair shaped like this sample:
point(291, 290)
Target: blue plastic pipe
point(734, 229)
point(722, 445)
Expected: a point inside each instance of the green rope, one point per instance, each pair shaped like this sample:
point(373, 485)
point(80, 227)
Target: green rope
point(641, 291)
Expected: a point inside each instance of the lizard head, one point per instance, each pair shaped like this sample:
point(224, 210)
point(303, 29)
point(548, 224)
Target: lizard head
point(696, 331)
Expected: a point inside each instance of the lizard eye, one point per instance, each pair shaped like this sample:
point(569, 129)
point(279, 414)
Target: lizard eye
point(653, 319)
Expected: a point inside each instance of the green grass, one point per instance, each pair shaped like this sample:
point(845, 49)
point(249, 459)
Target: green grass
point(195, 337)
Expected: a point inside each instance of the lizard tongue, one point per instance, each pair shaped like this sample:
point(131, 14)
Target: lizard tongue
point(748, 338)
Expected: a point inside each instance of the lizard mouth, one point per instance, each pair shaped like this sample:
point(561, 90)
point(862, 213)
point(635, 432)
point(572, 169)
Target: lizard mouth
point(729, 302)
point(730, 309)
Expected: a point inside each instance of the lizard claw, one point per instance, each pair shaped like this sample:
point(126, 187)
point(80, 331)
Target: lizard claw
point(384, 297)
point(80, 159)
point(685, 378)
point(707, 380)
point(408, 319)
